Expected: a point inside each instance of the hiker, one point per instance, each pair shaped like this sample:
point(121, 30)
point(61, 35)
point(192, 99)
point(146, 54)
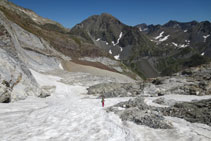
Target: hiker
point(103, 100)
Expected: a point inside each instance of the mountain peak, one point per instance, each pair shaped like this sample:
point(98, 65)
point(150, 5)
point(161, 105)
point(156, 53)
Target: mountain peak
point(171, 23)
point(106, 15)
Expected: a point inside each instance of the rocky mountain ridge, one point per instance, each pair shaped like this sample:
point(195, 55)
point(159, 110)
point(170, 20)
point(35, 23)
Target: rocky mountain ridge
point(152, 50)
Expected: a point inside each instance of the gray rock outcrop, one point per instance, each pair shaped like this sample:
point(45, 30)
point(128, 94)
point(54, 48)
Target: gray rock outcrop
point(196, 111)
point(137, 111)
point(116, 89)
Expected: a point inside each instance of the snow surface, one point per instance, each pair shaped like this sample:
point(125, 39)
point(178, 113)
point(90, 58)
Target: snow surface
point(187, 41)
point(120, 36)
point(61, 67)
point(121, 49)
point(175, 44)
point(66, 115)
point(98, 39)
point(205, 37)
point(110, 52)
point(161, 35)
point(164, 38)
point(117, 57)
point(181, 45)
point(140, 29)
point(70, 115)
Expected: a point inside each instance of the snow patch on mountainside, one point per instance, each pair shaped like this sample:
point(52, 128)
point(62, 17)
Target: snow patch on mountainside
point(120, 36)
point(175, 44)
point(61, 67)
point(117, 57)
point(98, 39)
point(140, 29)
point(160, 35)
point(110, 52)
point(121, 49)
point(164, 38)
point(180, 45)
point(205, 37)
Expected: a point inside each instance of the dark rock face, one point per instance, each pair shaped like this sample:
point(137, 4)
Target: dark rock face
point(109, 34)
point(188, 44)
point(199, 111)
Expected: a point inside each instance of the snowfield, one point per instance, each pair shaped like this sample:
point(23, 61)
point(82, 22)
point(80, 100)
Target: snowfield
point(66, 115)
point(71, 115)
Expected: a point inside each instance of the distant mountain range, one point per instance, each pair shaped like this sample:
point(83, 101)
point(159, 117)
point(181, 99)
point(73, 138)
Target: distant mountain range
point(149, 50)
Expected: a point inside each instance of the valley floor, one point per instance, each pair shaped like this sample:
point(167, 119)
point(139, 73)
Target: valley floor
point(69, 114)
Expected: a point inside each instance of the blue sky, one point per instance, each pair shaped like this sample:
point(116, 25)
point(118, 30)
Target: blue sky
point(130, 12)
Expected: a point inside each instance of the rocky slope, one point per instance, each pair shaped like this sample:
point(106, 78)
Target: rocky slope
point(121, 41)
point(49, 30)
point(185, 44)
point(185, 95)
point(152, 50)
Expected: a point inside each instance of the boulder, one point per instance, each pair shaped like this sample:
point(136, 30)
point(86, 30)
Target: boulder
point(47, 91)
point(5, 94)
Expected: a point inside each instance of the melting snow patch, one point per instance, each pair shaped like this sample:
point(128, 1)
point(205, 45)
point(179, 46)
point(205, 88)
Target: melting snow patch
point(117, 57)
point(113, 43)
point(106, 43)
point(202, 54)
point(183, 46)
point(164, 38)
point(180, 46)
point(205, 37)
point(98, 39)
point(187, 41)
point(61, 67)
point(121, 49)
point(140, 29)
point(161, 35)
point(175, 44)
point(110, 52)
point(120, 36)
point(185, 30)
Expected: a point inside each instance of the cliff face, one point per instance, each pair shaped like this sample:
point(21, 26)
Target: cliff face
point(21, 51)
